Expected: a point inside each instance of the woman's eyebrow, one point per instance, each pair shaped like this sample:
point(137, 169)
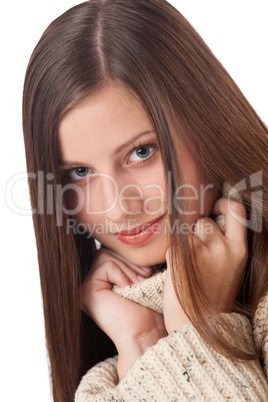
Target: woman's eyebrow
point(63, 163)
point(130, 142)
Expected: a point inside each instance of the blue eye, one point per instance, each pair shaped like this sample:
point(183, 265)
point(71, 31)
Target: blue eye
point(81, 171)
point(141, 152)
point(78, 173)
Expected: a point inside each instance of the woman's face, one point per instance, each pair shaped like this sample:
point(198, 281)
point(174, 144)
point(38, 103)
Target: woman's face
point(114, 179)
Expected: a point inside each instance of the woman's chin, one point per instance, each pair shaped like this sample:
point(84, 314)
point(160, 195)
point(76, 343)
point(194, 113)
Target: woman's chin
point(143, 260)
point(151, 253)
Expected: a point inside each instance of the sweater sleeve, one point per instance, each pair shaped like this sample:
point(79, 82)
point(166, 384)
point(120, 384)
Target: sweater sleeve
point(180, 367)
point(98, 380)
point(260, 331)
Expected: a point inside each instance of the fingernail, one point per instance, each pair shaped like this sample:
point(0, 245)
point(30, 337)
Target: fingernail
point(140, 278)
point(146, 269)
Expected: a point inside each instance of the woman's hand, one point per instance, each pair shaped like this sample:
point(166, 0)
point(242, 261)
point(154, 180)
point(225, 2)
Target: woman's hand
point(221, 260)
point(131, 327)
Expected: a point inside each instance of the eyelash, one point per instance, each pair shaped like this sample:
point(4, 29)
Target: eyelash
point(148, 144)
point(67, 173)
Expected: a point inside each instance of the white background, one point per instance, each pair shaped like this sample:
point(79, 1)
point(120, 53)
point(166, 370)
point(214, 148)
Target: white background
point(236, 31)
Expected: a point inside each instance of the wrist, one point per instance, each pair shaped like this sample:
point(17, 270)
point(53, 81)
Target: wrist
point(131, 350)
point(139, 343)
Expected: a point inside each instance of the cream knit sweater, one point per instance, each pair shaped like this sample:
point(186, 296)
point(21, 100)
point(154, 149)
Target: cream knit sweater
point(181, 366)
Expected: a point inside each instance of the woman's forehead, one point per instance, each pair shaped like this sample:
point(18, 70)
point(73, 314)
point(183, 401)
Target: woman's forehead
point(105, 121)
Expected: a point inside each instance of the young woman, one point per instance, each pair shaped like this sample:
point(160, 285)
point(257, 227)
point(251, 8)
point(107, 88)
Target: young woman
point(132, 130)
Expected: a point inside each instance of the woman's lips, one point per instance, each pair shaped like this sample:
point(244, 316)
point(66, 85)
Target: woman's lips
point(140, 234)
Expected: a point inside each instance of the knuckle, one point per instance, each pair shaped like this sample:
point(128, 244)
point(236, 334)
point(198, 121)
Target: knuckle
point(237, 208)
point(121, 274)
point(122, 277)
point(219, 249)
point(103, 255)
point(242, 252)
point(204, 226)
point(110, 265)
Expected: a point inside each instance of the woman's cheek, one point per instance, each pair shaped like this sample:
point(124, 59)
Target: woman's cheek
point(155, 200)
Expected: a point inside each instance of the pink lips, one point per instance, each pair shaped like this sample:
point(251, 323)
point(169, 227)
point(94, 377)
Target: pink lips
point(140, 234)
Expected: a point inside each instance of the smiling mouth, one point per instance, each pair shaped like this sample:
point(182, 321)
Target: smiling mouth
point(141, 233)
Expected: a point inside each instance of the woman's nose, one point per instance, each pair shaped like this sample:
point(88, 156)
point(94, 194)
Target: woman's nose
point(121, 199)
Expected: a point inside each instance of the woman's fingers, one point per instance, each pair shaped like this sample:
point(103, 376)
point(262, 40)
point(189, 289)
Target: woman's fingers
point(133, 276)
point(103, 278)
point(235, 218)
point(114, 271)
point(107, 270)
point(235, 222)
point(142, 271)
point(205, 228)
point(110, 273)
point(222, 257)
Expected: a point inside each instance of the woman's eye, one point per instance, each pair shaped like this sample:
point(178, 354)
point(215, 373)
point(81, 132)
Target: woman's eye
point(140, 153)
point(78, 173)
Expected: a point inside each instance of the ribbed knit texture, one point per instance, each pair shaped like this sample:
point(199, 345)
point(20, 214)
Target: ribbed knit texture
point(260, 331)
point(181, 366)
point(148, 294)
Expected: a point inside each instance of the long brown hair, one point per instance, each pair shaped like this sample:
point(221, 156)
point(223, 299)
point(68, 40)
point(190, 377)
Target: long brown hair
point(148, 47)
